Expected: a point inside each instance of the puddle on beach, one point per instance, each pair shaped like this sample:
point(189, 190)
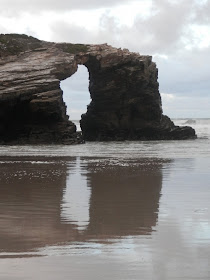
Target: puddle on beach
point(104, 219)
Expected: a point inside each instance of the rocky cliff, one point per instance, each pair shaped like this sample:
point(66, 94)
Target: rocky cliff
point(126, 103)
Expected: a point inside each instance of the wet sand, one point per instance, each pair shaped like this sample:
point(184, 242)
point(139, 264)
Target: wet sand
point(50, 201)
point(96, 218)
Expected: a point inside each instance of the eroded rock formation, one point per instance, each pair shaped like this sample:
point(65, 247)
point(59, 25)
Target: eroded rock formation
point(126, 103)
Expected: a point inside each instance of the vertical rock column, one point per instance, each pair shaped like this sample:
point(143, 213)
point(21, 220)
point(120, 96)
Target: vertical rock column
point(125, 97)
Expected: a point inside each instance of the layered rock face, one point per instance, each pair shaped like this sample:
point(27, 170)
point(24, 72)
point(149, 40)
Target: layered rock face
point(125, 104)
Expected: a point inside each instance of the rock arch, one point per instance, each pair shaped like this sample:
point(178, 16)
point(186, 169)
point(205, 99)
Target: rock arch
point(126, 103)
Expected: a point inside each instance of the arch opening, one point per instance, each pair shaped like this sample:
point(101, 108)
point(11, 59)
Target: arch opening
point(76, 94)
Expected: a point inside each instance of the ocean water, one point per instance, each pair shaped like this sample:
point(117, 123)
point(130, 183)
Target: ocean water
point(116, 210)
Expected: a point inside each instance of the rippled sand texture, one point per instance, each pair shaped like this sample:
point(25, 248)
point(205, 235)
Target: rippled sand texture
point(100, 218)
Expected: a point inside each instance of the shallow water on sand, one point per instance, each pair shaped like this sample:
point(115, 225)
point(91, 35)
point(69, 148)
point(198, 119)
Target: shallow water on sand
point(132, 210)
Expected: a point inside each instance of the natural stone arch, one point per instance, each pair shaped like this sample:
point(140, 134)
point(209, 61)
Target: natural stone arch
point(125, 104)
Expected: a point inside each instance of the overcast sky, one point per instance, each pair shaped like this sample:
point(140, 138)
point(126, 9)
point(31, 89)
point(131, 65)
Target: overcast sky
point(175, 32)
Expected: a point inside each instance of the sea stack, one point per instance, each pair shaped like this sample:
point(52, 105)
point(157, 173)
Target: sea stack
point(126, 103)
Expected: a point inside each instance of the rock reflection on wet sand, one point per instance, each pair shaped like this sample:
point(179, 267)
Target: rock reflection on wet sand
point(45, 202)
point(100, 218)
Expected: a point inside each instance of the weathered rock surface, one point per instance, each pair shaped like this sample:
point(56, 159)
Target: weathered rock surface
point(126, 103)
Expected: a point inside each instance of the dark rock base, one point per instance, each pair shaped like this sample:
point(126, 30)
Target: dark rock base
point(58, 133)
point(165, 130)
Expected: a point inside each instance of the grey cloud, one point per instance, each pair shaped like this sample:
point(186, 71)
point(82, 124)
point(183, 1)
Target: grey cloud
point(203, 13)
point(65, 32)
point(13, 6)
point(163, 32)
point(185, 106)
point(186, 73)
point(166, 31)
